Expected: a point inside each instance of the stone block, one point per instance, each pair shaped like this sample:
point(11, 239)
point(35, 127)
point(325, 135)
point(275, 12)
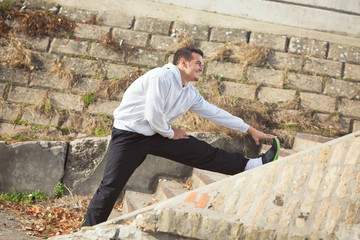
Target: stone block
point(27, 166)
point(88, 31)
point(209, 48)
point(315, 178)
point(66, 101)
point(130, 37)
point(32, 116)
point(315, 48)
point(272, 41)
point(323, 67)
point(83, 66)
point(163, 43)
point(239, 90)
point(9, 111)
point(45, 61)
point(342, 88)
point(219, 34)
point(84, 157)
point(197, 32)
point(333, 121)
point(267, 77)
point(116, 19)
point(285, 179)
point(344, 53)
point(287, 215)
point(14, 75)
point(25, 95)
point(69, 46)
point(318, 102)
point(225, 69)
point(78, 15)
point(152, 25)
point(147, 58)
point(2, 90)
point(7, 129)
point(273, 95)
point(103, 107)
point(280, 60)
point(350, 108)
point(4, 52)
point(352, 72)
point(86, 85)
point(48, 80)
point(38, 44)
point(304, 82)
point(102, 52)
point(356, 126)
point(116, 71)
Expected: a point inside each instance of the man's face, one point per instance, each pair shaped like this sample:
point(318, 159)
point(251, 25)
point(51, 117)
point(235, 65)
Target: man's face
point(194, 67)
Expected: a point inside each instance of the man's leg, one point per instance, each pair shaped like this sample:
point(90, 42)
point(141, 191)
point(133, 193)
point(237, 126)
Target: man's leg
point(199, 154)
point(124, 156)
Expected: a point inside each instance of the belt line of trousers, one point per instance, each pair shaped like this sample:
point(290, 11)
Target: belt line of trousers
point(127, 150)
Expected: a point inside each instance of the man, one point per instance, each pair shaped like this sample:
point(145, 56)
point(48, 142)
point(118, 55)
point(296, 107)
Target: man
point(141, 127)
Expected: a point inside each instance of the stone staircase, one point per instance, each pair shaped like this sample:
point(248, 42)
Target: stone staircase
point(168, 188)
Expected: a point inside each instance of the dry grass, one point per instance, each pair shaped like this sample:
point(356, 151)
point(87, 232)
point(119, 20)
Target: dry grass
point(44, 107)
point(114, 88)
point(243, 53)
point(19, 56)
point(182, 40)
point(65, 74)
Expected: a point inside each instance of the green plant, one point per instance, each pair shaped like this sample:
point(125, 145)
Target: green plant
point(59, 189)
point(25, 198)
point(102, 130)
point(90, 97)
point(6, 6)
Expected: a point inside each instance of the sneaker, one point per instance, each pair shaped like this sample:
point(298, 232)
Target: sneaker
point(273, 153)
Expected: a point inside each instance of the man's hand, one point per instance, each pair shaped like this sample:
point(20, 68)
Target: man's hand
point(179, 134)
point(258, 135)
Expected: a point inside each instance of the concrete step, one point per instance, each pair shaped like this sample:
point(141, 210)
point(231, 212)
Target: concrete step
point(304, 141)
point(136, 200)
point(202, 178)
point(169, 188)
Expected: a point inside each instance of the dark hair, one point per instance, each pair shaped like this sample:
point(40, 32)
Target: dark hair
point(186, 53)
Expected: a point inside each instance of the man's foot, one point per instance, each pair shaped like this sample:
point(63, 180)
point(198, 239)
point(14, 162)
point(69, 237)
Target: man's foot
point(273, 153)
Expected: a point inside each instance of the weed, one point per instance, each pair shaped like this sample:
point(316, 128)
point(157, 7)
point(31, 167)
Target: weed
point(20, 56)
point(182, 40)
point(102, 131)
point(270, 104)
point(65, 74)
point(18, 121)
point(25, 198)
point(90, 98)
point(59, 189)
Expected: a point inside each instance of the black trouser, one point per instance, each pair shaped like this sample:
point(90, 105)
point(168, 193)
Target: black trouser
point(128, 150)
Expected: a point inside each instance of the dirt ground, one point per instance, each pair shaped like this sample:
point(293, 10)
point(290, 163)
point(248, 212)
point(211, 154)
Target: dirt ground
point(12, 228)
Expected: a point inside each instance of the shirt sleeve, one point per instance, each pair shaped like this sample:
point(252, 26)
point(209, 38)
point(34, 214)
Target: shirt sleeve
point(218, 115)
point(154, 107)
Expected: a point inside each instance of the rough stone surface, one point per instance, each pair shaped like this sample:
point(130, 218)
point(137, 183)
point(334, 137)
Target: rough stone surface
point(67, 101)
point(342, 88)
point(304, 82)
point(83, 66)
point(9, 111)
point(30, 115)
point(152, 25)
point(69, 46)
point(27, 166)
point(311, 46)
point(49, 80)
point(343, 53)
point(352, 72)
point(280, 60)
point(226, 70)
point(87, 85)
point(132, 38)
point(103, 107)
point(84, 157)
point(219, 34)
point(114, 19)
point(7, 129)
point(191, 30)
point(79, 15)
point(267, 77)
point(87, 31)
point(239, 90)
point(269, 40)
point(349, 108)
point(101, 52)
point(145, 58)
point(163, 43)
point(15, 76)
point(26, 95)
point(270, 95)
point(318, 102)
point(323, 67)
point(209, 48)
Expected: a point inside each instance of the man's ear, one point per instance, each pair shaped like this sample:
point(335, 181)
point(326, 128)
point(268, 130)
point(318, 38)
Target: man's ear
point(183, 62)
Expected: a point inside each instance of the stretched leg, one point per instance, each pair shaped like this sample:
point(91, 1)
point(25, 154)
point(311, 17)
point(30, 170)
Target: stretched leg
point(199, 154)
point(123, 158)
